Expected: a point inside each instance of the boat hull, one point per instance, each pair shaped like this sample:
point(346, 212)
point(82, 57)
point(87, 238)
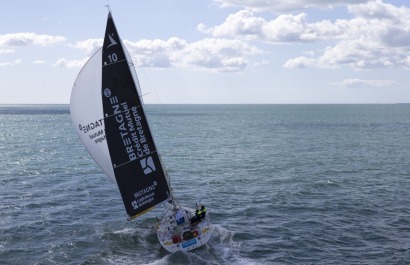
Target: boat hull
point(183, 236)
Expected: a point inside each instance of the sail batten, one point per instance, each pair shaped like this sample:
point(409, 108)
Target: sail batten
point(125, 163)
point(113, 63)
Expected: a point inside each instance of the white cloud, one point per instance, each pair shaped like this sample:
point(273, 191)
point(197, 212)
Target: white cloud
point(242, 24)
point(284, 29)
point(263, 62)
point(378, 35)
point(24, 39)
point(89, 46)
point(156, 53)
point(377, 9)
point(300, 62)
point(280, 6)
point(364, 83)
point(392, 22)
point(360, 53)
point(215, 55)
point(63, 63)
point(218, 55)
point(15, 62)
point(211, 54)
point(6, 51)
point(39, 62)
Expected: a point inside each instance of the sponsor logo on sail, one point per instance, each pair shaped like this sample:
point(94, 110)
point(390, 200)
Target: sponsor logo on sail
point(113, 42)
point(147, 165)
point(107, 92)
point(144, 196)
point(134, 205)
point(98, 124)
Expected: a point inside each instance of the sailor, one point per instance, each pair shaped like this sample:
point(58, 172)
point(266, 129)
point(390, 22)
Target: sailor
point(202, 212)
point(195, 218)
point(199, 214)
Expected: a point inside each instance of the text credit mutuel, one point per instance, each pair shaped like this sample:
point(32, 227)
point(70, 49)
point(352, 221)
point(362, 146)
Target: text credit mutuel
point(130, 128)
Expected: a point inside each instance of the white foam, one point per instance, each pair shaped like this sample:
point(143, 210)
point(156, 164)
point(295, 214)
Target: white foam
point(126, 231)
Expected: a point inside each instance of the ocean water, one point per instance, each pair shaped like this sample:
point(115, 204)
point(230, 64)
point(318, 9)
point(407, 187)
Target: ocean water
point(283, 184)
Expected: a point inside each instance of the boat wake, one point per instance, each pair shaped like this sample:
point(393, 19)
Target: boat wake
point(225, 249)
point(222, 248)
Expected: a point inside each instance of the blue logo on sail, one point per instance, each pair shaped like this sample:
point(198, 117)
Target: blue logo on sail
point(147, 165)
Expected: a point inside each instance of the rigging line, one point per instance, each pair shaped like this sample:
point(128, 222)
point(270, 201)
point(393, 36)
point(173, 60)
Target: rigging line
point(147, 93)
point(108, 6)
point(159, 99)
point(151, 84)
point(129, 161)
point(120, 61)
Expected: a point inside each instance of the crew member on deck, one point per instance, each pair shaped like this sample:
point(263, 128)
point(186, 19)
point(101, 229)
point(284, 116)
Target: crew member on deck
point(199, 215)
point(202, 212)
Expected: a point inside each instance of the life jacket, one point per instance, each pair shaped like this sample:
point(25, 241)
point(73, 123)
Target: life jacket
point(202, 212)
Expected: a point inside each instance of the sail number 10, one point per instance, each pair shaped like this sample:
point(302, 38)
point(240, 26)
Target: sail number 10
point(113, 57)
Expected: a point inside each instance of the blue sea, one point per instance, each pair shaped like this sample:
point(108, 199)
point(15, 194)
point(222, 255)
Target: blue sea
point(283, 184)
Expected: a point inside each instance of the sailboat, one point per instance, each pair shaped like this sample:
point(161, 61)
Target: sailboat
point(108, 114)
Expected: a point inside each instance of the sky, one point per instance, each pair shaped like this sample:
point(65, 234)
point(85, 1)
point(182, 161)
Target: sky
point(214, 51)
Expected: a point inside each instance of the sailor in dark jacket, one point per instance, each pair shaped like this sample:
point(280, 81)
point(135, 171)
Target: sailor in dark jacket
point(202, 212)
point(199, 215)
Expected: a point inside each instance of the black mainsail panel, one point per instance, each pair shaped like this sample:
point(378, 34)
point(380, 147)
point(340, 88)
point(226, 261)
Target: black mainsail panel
point(136, 163)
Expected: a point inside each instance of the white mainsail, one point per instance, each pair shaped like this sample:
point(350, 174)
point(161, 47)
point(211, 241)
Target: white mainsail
point(87, 113)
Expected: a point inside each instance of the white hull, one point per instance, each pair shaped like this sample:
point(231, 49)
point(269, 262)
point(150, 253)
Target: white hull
point(186, 236)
